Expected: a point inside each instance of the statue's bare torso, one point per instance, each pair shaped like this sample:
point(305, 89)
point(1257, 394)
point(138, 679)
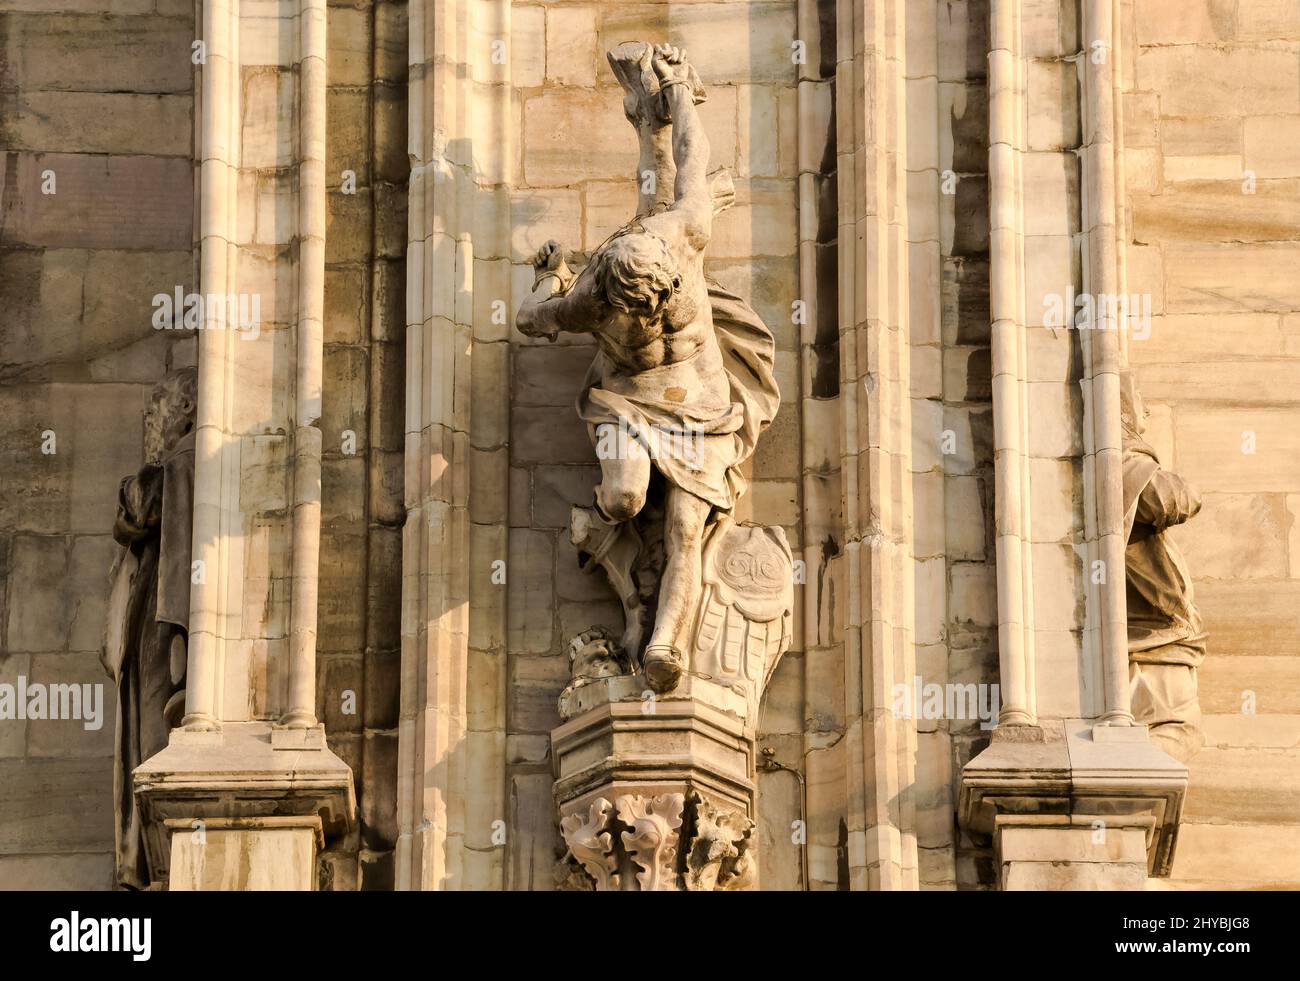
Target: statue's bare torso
point(682, 333)
point(633, 345)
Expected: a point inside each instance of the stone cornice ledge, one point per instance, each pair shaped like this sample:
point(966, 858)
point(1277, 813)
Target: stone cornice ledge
point(247, 773)
point(1073, 772)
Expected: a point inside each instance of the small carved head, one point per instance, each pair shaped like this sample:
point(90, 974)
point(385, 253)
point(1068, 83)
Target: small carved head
point(637, 273)
point(171, 414)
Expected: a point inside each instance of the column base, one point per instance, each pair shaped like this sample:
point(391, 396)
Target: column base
point(242, 808)
point(1075, 805)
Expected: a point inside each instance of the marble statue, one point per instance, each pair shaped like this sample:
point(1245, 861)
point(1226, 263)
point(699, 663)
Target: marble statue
point(679, 392)
point(1165, 636)
point(148, 614)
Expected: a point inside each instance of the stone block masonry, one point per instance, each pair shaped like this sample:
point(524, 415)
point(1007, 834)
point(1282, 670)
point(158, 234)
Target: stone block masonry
point(97, 187)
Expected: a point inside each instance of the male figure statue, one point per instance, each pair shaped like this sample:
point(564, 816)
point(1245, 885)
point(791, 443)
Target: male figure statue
point(148, 616)
point(1166, 641)
point(682, 384)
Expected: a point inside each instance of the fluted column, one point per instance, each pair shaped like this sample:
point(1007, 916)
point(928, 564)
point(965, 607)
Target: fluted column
point(822, 452)
point(1010, 370)
point(247, 792)
point(300, 712)
point(1103, 277)
point(218, 152)
point(876, 462)
point(451, 757)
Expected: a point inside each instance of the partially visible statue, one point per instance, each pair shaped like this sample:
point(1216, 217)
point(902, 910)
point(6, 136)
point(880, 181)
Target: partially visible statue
point(674, 403)
point(148, 616)
point(1166, 641)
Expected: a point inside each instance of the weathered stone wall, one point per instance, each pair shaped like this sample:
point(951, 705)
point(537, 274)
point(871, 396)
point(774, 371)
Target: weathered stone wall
point(1212, 131)
point(98, 109)
point(573, 182)
point(359, 646)
point(79, 356)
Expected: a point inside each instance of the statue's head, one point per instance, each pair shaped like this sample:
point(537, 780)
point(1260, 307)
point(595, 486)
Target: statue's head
point(171, 414)
point(1132, 410)
point(637, 273)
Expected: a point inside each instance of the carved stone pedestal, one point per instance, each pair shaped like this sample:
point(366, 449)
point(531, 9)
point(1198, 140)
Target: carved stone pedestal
point(655, 794)
point(1073, 805)
point(245, 807)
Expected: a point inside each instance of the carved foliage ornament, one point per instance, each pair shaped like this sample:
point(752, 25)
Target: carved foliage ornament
point(661, 843)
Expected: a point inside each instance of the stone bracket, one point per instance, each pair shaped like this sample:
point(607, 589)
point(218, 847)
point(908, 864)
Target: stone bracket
point(655, 795)
point(1069, 773)
point(239, 778)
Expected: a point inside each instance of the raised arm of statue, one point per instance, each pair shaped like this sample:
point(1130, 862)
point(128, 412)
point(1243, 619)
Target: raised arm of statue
point(555, 305)
point(645, 107)
point(693, 197)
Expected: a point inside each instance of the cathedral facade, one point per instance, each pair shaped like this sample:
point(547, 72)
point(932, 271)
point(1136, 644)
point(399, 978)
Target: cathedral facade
point(665, 445)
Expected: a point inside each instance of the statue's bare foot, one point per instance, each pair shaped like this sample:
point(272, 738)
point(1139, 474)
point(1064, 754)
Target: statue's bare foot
point(662, 666)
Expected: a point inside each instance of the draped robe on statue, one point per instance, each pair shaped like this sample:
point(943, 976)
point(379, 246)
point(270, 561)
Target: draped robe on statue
point(697, 442)
point(1166, 638)
point(144, 646)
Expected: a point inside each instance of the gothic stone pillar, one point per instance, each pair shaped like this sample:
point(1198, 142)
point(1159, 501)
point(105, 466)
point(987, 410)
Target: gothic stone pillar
point(246, 790)
point(1071, 791)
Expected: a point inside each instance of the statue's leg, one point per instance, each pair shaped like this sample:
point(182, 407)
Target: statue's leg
point(679, 589)
point(624, 473)
point(616, 548)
